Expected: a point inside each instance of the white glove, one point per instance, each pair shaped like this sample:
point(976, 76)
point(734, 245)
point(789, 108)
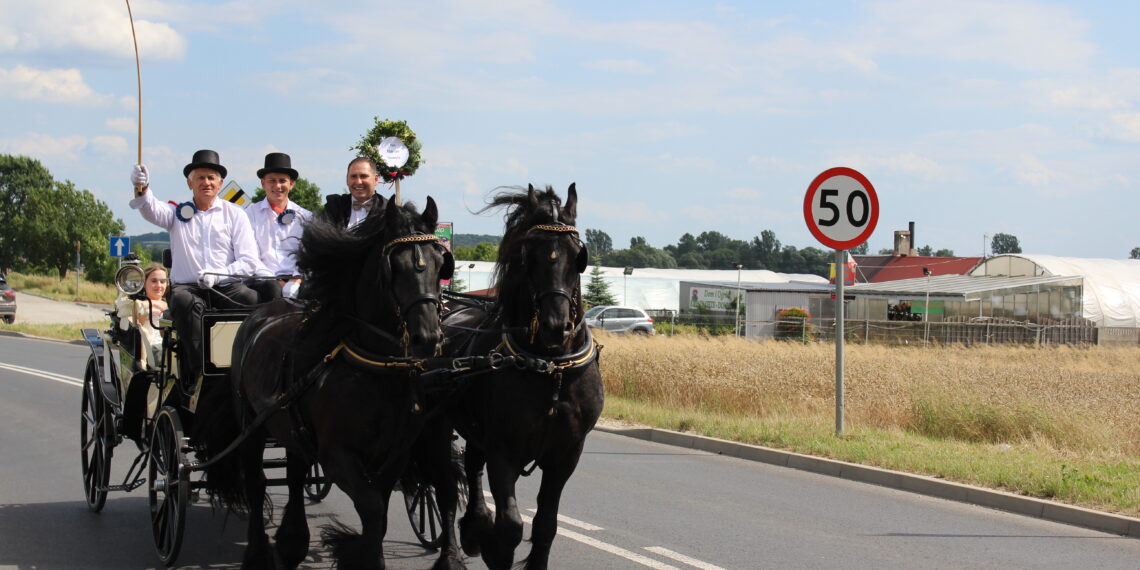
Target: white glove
point(207, 278)
point(290, 288)
point(139, 176)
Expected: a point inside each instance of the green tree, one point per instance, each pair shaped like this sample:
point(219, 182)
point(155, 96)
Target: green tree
point(1004, 243)
point(765, 251)
point(597, 288)
point(926, 250)
point(19, 175)
point(599, 243)
point(1135, 253)
point(944, 253)
point(482, 251)
point(56, 219)
point(860, 249)
point(304, 193)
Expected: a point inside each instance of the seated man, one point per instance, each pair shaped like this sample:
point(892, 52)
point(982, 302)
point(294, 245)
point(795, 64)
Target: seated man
point(277, 225)
point(212, 249)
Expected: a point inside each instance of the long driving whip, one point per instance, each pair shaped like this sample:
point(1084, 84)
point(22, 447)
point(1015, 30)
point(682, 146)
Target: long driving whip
point(138, 75)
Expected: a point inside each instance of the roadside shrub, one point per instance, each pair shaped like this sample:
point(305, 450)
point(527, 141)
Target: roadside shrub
point(792, 324)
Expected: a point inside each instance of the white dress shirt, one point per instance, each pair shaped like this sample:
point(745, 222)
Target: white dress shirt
point(277, 243)
point(217, 240)
point(356, 215)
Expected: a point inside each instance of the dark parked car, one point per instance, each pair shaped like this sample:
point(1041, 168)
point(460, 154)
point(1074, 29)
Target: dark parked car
point(619, 319)
point(7, 302)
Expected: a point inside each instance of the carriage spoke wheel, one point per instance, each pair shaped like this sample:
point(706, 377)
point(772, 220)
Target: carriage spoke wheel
point(320, 487)
point(95, 439)
point(423, 511)
point(168, 484)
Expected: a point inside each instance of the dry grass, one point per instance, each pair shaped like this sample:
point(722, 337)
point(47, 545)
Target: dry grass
point(1052, 422)
point(53, 287)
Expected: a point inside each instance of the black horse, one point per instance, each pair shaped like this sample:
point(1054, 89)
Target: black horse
point(338, 380)
point(536, 410)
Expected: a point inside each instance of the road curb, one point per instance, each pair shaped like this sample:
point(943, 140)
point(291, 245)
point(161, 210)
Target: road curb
point(921, 484)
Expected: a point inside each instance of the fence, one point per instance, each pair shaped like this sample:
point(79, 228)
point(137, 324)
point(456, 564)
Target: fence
point(954, 330)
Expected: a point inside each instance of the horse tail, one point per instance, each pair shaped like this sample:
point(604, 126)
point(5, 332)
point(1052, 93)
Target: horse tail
point(220, 425)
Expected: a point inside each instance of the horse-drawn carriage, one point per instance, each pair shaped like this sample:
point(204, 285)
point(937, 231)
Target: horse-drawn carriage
point(370, 379)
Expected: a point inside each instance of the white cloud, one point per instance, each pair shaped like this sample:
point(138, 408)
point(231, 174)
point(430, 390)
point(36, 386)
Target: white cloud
point(631, 66)
point(1087, 98)
point(109, 145)
point(1033, 171)
point(70, 26)
point(907, 163)
point(40, 146)
point(1124, 126)
point(52, 85)
point(124, 124)
point(1021, 34)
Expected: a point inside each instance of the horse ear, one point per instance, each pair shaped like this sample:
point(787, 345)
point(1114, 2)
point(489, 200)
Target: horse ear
point(391, 212)
point(448, 268)
point(431, 214)
point(583, 259)
point(531, 197)
point(570, 210)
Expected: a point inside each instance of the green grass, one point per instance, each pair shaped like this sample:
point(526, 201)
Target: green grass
point(53, 287)
point(69, 331)
point(1031, 468)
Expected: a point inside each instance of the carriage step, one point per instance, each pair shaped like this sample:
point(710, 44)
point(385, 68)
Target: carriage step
point(128, 487)
point(275, 463)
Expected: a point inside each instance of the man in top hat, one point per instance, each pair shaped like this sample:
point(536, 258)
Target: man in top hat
point(277, 224)
point(347, 210)
point(212, 248)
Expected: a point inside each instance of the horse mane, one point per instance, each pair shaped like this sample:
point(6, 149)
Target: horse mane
point(331, 257)
point(521, 215)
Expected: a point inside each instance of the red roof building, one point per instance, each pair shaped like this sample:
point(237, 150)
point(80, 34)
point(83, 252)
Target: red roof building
point(882, 268)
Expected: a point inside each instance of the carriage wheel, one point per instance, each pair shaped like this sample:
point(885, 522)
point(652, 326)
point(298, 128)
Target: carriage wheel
point(95, 439)
point(423, 511)
point(320, 488)
point(168, 484)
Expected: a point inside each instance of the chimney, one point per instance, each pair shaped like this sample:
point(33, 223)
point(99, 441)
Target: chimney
point(913, 242)
point(904, 242)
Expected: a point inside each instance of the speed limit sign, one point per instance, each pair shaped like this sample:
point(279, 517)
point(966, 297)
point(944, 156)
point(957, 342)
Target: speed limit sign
point(841, 208)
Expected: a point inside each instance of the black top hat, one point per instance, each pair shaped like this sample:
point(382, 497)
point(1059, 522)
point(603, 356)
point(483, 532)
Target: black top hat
point(278, 162)
point(204, 158)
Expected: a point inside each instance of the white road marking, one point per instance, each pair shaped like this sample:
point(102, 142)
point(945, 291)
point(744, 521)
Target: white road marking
point(573, 522)
point(44, 374)
point(682, 558)
point(617, 550)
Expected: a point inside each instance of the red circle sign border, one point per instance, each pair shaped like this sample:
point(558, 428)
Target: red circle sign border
point(872, 196)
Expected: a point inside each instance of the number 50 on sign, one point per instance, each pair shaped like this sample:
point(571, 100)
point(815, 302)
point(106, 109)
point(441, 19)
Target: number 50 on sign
point(841, 208)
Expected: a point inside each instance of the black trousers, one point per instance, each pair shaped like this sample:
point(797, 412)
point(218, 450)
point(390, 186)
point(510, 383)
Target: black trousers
point(188, 302)
point(266, 289)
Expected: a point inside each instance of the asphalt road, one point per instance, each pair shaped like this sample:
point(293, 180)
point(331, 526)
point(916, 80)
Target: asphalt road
point(41, 310)
point(631, 504)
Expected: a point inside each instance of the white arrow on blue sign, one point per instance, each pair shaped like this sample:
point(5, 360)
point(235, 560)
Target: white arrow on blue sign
point(120, 246)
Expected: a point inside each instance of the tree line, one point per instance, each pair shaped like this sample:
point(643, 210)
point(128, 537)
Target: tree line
point(45, 222)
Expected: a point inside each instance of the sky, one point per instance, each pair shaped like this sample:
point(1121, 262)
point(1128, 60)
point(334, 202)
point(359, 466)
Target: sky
point(969, 118)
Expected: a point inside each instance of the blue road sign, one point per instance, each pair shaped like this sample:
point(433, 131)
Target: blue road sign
point(120, 246)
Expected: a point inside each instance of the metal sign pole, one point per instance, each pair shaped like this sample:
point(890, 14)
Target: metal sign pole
point(839, 335)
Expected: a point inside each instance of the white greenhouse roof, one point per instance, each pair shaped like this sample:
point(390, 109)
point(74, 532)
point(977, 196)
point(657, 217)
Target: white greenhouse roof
point(1111, 287)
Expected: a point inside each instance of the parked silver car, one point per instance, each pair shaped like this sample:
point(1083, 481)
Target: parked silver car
point(7, 302)
point(619, 319)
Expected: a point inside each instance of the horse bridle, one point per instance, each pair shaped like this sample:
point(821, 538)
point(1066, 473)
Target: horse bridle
point(420, 265)
point(537, 297)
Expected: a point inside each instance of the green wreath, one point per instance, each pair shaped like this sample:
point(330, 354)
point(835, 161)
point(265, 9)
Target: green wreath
point(382, 130)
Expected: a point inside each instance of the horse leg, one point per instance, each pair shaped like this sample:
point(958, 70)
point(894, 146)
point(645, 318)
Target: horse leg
point(499, 552)
point(258, 554)
point(292, 538)
point(436, 452)
point(476, 525)
point(545, 523)
point(370, 498)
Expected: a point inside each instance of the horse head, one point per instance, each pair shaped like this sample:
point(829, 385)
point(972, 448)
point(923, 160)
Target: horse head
point(407, 268)
point(541, 259)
